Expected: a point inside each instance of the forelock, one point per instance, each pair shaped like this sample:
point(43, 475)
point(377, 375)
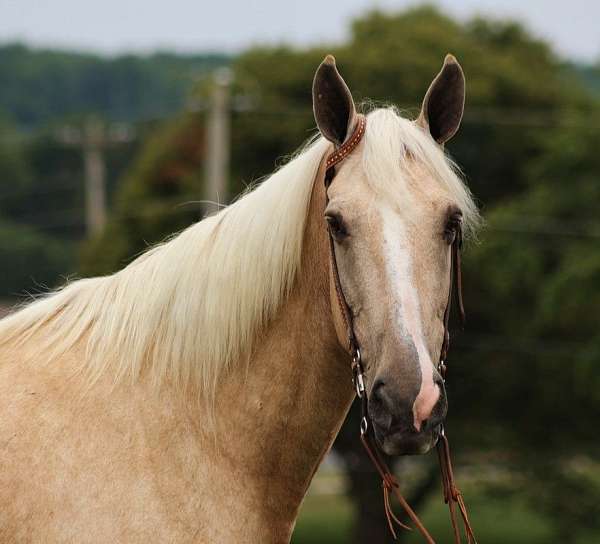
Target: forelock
point(392, 143)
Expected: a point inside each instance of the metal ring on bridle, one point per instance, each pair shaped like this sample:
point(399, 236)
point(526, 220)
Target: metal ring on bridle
point(360, 384)
point(363, 425)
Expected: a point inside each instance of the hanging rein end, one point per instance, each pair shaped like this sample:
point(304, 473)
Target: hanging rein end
point(388, 483)
point(452, 494)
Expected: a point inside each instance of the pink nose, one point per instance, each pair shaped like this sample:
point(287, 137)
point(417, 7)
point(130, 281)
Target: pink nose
point(428, 397)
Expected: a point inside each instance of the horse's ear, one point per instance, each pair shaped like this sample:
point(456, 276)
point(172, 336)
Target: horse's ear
point(444, 102)
point(333, 105)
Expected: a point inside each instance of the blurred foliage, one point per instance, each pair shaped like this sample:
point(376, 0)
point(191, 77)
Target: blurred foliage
point(42, 211)
point(523, 379)
point(31, 252)
point(158, 196)
point(500, 520)
point(39, 86)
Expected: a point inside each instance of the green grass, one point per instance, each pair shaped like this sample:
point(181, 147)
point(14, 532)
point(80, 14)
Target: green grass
point(494, 520)
point(324, 519)
point(327, 519)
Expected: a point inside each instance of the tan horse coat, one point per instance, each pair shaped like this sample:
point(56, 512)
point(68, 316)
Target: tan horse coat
point(134, 464)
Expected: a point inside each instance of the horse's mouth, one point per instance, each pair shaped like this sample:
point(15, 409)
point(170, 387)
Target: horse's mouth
point(403, 441)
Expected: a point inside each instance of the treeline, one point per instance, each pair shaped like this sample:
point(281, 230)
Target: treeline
point(38, 86)
point(42, 212)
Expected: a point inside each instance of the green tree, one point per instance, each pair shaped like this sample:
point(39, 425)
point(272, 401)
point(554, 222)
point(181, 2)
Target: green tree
point(540, 268)
point(23, 247)
point(39, 86)
point(158, 196)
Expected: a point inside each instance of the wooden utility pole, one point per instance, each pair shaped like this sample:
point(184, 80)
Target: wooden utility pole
point(218, 141)
point(92, 141)
point(95, 176)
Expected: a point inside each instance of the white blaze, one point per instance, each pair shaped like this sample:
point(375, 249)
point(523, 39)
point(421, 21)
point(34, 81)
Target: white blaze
point(399, 267)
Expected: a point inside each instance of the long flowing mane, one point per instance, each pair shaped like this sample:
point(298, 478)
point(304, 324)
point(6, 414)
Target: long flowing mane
point(190, 308)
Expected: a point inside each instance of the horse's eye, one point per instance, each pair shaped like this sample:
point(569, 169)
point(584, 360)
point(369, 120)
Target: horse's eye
point(452, 227)
point(449, 233)
point(336, 226)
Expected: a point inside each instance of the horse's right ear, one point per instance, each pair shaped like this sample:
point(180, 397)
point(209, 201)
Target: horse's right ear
point(333, 105)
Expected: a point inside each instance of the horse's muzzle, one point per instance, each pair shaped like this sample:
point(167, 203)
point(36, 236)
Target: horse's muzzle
point(394, 424)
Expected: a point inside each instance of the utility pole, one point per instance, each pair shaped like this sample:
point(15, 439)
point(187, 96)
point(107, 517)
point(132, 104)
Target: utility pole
point(92, 141)
point(218, 141)
point(95, 176)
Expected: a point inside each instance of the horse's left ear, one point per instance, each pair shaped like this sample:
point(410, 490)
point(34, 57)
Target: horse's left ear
point(444, 102)
point(333, 104)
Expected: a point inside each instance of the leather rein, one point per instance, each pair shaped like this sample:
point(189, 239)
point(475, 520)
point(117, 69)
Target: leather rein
point(452, 495)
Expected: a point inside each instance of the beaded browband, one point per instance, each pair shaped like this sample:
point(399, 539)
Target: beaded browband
point(347, 147)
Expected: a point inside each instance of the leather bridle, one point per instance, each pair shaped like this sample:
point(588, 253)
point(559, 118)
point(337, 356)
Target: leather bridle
point(452, 495)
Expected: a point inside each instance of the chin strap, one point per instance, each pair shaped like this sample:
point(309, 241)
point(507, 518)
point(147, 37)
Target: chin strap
point(452, 495)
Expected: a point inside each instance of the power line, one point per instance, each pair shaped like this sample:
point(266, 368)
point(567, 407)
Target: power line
point(37, 189)
point(548, 230)
point(499, 116)
point(522, 345)
point(172, 207)
point(549, 227)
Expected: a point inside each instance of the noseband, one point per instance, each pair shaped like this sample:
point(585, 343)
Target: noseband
point(452, 495)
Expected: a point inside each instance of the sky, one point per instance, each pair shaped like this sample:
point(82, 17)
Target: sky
point(116, 26)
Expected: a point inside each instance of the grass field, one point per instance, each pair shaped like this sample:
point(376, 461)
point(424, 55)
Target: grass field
point(327, 519)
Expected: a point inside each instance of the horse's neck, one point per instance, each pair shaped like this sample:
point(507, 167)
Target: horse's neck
point(279, 419)
point(242, 481)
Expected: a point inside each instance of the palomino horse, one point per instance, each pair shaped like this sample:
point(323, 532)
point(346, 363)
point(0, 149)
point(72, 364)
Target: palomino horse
point(191, 396)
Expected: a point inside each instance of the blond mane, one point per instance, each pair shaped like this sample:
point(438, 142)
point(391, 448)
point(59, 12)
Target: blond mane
point(188, 309)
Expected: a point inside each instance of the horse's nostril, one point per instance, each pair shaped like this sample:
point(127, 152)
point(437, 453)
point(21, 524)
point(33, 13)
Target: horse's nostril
point(377, 392)
point(439, 382)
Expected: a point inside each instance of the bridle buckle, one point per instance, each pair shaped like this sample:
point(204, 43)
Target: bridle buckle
point(442, 369)
point(358, 377)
